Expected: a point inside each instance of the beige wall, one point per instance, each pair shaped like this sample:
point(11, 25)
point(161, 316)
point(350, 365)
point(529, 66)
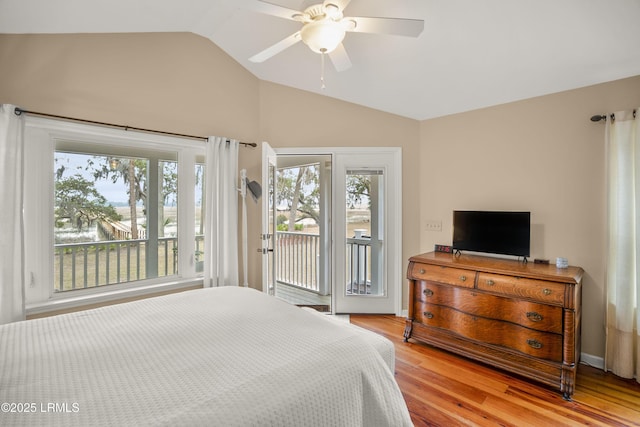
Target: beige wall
point(177, 82)
point(542, 155)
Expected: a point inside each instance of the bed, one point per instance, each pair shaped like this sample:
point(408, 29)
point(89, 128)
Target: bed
point(216, 356)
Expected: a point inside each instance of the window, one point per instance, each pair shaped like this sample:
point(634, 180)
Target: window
point(111, 210)
point(365, 231)
point(103, 216)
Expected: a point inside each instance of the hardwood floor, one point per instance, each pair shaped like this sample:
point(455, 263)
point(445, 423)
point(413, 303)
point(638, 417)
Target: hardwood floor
point(443, 389)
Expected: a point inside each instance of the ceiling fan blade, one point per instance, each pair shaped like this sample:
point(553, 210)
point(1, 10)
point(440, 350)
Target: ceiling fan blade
point(395, 26)
point(340, 3)
point(276, 48)
point(339, 58)
point(274, 10)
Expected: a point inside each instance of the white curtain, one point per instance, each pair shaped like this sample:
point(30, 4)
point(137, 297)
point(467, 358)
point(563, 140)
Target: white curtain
point(11, 222)
point(221, 213)
point(622, 141)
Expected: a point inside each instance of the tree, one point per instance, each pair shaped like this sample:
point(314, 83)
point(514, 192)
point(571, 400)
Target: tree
point(358, 189)
point(133, 172)
point(298, 189)
point(168, 192)
point(131, 177)
point(78, 201)
point(293, 210)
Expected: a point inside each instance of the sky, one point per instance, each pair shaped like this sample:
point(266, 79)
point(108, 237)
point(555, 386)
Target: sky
point(115, 193)
point(77, 164)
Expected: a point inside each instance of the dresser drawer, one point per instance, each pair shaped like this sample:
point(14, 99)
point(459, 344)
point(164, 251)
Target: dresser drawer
point(542, 345)
point(522, 317)
point(448, 275)
point(533, 315)
point(520, 287)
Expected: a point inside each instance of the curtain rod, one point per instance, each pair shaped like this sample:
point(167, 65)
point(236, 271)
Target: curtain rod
point(18, 111)
point(612, 116)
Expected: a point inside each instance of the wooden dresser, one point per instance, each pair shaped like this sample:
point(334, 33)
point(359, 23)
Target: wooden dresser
point(521, 317)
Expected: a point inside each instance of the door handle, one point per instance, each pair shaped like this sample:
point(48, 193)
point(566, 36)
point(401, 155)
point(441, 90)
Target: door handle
point(264, 251)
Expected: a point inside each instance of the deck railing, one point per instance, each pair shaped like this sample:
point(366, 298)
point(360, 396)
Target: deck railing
point(358, 265)
point(298, 258)
point(88, 265)
point(298, 255)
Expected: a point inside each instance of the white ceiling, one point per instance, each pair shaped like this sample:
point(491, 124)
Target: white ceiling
point(471, 54)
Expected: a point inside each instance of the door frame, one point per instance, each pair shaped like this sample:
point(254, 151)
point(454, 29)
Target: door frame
point(394, 262)
point(267, 235)
point(390, 160)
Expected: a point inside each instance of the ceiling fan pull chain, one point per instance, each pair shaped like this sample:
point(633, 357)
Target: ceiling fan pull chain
point(322, 85)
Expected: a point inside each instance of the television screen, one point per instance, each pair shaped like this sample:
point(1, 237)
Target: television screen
point(496, 232)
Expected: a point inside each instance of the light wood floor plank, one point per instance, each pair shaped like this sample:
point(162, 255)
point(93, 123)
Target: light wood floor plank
point(444, 389)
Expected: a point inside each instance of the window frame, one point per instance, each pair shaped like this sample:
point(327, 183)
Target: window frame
point(42, 136)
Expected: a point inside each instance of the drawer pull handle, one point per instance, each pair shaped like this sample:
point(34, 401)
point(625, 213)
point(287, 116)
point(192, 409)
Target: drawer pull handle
point(533, 316)
point(534, 344)
point(422, 271)
point(490, 282)
point(428, 314)
point(546, 291)
point(428, 292)
point(463, 278)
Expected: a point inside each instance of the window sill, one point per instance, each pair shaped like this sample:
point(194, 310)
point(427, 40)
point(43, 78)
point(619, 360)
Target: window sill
point(85, 302)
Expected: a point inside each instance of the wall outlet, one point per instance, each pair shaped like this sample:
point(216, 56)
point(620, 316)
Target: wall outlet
point(433, 225)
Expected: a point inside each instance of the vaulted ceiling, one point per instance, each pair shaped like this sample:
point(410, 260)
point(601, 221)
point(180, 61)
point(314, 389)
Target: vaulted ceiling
point(471, 54)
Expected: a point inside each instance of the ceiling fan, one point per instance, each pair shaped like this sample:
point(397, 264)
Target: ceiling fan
point(324, 26)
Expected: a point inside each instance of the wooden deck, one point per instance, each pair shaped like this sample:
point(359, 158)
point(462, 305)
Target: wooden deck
point(299, 296)
point(443, 389)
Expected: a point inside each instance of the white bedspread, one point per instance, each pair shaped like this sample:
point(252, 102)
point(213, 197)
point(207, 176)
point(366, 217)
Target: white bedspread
point(216, 356)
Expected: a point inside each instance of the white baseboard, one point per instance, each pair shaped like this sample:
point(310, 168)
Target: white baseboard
point(595, 361)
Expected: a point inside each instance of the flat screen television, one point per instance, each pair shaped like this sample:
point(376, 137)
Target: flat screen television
point(494, 232)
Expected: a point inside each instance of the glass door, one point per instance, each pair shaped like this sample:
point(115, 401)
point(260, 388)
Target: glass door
point(334, 235)
point(368, 231)
point(365, 232)
point(296, 236)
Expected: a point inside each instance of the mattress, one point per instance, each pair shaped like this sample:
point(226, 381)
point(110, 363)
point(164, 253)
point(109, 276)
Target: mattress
point(215, 356)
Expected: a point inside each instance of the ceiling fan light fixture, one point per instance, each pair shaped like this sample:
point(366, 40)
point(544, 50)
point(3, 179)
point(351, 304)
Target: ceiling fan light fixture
point(332, 11)
point(322, 36)
point(300, 17)
point(349, 24)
